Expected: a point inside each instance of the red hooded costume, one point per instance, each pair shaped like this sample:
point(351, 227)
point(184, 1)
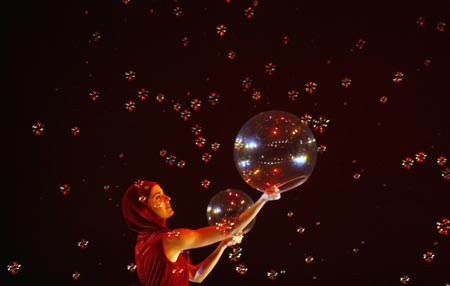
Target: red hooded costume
point(153, 267)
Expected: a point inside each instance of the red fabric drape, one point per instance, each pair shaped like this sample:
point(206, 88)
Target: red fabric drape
point(153, 267)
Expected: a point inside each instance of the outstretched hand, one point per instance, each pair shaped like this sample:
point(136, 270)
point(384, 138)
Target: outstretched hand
point(271, 194)
point(236, 239)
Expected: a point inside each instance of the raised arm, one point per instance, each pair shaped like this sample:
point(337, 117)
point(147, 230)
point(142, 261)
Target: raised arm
point(183, 239)
point(197, 273)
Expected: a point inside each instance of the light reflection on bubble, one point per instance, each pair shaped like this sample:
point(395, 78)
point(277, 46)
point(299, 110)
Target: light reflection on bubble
point(404, 279)
point(130, 75)
point(76, 275)
point(443, 226)
point(215, 146)
point(311, 87)
point(75, 130)
point(420, 157)
point(440, 27)
point(213, 98)
point(83, 243)
point(301, 230)
point(131, 267)
point(130, 105)
point(249, 12)
point(221, 30)
point(241, 269)
point(143, 94)
point(270, 68)
point(293, 94)
point(398, 77)
point(206, 157)
point(428, 256)
point(14, 267)
point(235, 254)
point(38, 128)
point(407, 163)
point(64, 189)
point(346, 82)
point(383, 99)
point(205, 183)
point(200, 141)
point(441, 160)
point(272, 274)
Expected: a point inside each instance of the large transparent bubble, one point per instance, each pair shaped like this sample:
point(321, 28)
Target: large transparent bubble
point(275, 148)
point(226, 206)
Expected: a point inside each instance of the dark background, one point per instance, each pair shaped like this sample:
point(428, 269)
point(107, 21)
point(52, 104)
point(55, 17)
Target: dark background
point(366, 231)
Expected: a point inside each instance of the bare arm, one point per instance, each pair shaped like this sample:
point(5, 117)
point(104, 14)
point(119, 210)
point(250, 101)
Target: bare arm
point(183, 239)
point(197, 273)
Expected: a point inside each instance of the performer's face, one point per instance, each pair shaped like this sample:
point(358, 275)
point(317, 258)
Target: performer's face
point(159, 203)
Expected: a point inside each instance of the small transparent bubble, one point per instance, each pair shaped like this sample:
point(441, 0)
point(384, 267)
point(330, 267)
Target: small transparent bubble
point(38, 128)
point(196, 104)
point(320, 124)
point(205, 183)
point(404, 279)
point(14, 267)
point(249, 12)
point(306, 119)
point(185, 41)
point(206, 157)
point(321, 149)
point(441, 160)
point(200, 141)
point(173, 234)
point(293, 94)
point(130, 75)
point(94, 95)
point(311, 87)
point(163, 153)
point(398, 77)
point(301, 230)
point(177, 270)
point(131, 267)
point(272, 274)
point(221, 30)
point(143, 94)
point(443, 226)
point(428, 256)
point(290, 214)
point(185, 114)
point(285, 40)
point(160, 97)
point(106, 187)
point(420, 157)
point(357, 176)
point(346, 82)
point(241, 269)
point(355, 250)
point(407, 163)
point(256, 95)
point(270, 68)
point(440, 27)
point(360, 44)
point(94, 37)
point(130, 105)
point(76, 275)
point(215, 146)
point(177, 106)
point(171, 160)
point(420, 21)
point(247, 83)
point(75, 130)
point(181, 164)
point(309, 259)
point(213, 98)
point(64, 189)
point(445, 174)
point(235, 254)
point(383, 99)
point(196, 129)
point(177, 11)
point(231, 55)
point(82, 244)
